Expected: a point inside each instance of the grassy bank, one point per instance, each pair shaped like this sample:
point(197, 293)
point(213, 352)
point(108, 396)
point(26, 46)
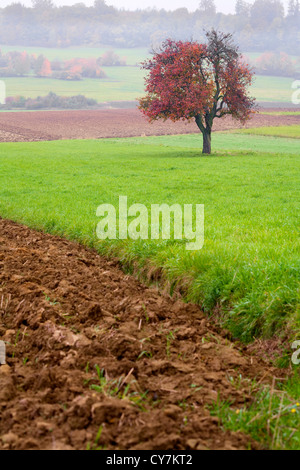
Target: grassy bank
point(248, 269)
point(272, 418)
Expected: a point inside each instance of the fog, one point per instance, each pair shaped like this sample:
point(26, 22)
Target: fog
point(258, 26)
point(224, 6)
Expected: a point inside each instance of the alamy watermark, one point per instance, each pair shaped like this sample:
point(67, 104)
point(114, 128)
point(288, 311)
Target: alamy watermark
point(296, 354)
point(296, 94)
point(2, 353)
point(154, 225)
point(2, 92)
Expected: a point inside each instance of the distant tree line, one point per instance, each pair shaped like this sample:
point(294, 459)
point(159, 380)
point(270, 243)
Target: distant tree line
point(50, 101)
point(20, 64)
point(260, 26)
point(279, 64)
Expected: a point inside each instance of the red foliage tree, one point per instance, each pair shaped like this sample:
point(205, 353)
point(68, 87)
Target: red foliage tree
point(85, 67)
point(45, 70)
point(188, 80)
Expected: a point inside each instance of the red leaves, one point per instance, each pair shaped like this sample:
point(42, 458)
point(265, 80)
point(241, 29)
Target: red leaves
point(175, 87)
point(188, 79)
point(45, 69)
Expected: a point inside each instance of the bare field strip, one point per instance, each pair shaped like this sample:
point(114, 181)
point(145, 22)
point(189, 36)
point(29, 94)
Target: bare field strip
point(58, 125)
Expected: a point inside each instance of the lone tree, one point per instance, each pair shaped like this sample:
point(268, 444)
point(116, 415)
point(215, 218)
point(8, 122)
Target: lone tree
point(188, 80)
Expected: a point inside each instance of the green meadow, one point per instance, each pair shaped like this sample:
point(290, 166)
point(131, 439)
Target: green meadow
point(127, 84)
point(228, 140)
point(268, 88)
point(247, 273)
point(122, 83)
point(278, 131)
point(280, 113)
point(131, 55)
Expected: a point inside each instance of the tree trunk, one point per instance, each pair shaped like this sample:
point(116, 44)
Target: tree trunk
point(206, 141)
point(206, 132)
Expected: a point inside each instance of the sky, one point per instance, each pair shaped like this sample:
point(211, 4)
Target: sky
point(224, 6)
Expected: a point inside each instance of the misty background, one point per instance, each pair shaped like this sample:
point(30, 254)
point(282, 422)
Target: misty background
point(224, 6)
point(258, 25)
point(107, 40)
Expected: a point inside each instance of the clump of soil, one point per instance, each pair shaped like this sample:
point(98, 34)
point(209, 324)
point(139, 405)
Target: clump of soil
point(89, 347)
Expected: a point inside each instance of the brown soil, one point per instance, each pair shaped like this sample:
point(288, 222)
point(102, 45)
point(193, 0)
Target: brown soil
point(56, 125)
point(65, 310)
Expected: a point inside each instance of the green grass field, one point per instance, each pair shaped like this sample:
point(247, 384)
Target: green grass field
point(280, 113)
point(247, 271)
point(280, 131)
point(131, 55)
point(266, 88)
point(233, 140)
point(123, 83)
point(127, 83)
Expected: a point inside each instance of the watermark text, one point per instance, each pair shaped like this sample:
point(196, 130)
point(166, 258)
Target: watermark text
point(166, 222)
point(2, 353)
point(2, 92)
point(296, 354)
point(296, 94)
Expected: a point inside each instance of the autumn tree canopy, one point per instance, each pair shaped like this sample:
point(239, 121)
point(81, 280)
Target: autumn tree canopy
point(201, 82)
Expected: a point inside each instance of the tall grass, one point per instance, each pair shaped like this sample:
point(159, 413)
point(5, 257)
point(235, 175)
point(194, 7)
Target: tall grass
point(248, 270)
point(271, 418)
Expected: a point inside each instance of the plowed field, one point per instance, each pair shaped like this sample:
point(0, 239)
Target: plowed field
point(89, 347)
point(56, 125)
